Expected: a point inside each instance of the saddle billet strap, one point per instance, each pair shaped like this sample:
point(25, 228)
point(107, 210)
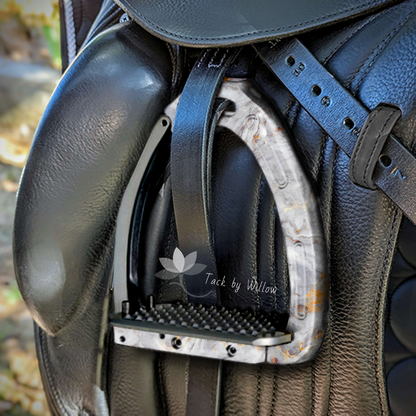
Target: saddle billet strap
point(342, 116)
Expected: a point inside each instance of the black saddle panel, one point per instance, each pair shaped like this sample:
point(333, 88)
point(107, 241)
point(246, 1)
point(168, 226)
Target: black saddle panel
point(400, 341)
point(86, 148)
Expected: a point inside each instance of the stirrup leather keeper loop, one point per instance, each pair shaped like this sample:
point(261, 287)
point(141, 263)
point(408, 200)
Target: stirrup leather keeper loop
point(370, 143)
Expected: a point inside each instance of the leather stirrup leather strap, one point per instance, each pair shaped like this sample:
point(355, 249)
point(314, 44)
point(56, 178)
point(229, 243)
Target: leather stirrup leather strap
point(193, 133)
point(204, 387)
point(190, 136)
point(95, 235)
point(342, 116)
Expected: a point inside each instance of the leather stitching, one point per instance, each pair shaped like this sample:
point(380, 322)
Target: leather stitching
point(257, 32)
point(326, 140)
point(313, 387)
point(331, 316)
point(327, 58)
point(223, 58)
point(202, 57)
point(288, 108)
point(324, 146)
point(188, 360)
point(48, 374)
point(360, 143)
point(379, 383)
point(256, 294)
point(258, 390)
point(173, 60)
point(331, 346)
point(162, 383)
point(379, 373)
point(273, 264)
point(371, 59)
point(106, 22)
point(274, 381)
point(272, 242)
point(113, 16)
point(274, 391)
point(336, 150)
point(323, 142)
point(351, 35)
point(368, 177)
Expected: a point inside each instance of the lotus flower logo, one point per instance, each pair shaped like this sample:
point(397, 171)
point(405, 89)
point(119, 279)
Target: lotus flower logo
point(180, 265)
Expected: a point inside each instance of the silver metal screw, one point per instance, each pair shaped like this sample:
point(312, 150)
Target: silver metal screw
point(124, 18)
point(176, 343)
point(326, 101)
point(231, 350)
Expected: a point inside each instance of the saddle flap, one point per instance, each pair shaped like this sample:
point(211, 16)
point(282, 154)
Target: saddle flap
point(202, 23)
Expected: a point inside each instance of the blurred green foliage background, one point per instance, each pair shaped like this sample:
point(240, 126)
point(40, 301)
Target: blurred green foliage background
point(38, 22)
point(29, 70)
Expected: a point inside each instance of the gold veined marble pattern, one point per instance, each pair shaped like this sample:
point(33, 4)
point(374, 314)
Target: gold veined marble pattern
point(199, 347)
point(258, 124)
point(261, 128)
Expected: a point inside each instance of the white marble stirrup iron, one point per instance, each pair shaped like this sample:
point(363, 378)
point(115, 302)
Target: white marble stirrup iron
point(215, 332)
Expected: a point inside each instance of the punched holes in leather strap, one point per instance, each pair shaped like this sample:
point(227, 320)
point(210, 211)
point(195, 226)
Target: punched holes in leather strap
point(370, 143)
point(341, 115)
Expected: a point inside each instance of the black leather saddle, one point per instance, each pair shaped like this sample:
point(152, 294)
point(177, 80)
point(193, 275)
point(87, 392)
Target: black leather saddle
point(217, 214)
